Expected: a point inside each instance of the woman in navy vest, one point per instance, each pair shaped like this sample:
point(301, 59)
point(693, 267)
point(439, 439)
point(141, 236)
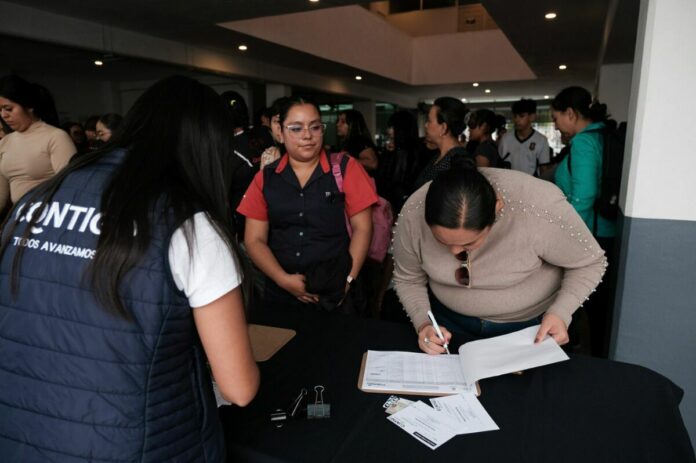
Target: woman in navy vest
point(118, 277)
point(296, 215)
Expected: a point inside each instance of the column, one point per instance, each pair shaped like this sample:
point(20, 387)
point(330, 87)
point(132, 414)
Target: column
point(655, 316)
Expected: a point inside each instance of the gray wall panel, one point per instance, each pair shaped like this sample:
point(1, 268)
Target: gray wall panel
point(655, 316)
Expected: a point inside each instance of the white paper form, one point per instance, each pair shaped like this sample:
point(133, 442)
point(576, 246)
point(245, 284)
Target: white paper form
point(430, 427)
point(412, 372)
point(508, 353)
point(467, 411)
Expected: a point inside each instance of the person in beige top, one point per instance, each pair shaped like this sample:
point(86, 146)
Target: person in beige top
point(35, 150)
point(491, 251)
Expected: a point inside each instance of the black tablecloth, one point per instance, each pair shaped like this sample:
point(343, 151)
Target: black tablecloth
point(584, 409)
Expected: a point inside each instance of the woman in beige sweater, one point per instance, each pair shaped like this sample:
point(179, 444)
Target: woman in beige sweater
point(491, 251)
point(35, 150)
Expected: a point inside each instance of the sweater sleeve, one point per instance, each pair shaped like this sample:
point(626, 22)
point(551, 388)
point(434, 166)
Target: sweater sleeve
point(585, 166)
point(4, 192)
point(410, 280)
point(565, 241)
point(60, 148)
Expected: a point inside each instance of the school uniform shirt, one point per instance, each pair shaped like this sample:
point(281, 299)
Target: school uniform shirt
point(525, 155)
point(307, 224)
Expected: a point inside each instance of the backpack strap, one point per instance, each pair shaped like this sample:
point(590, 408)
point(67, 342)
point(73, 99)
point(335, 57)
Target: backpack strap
point(337, 166)
point(336, 159)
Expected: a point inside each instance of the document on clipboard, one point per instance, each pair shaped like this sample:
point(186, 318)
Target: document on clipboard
point(413, 373)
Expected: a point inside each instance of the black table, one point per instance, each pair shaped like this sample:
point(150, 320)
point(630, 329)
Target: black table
point(584, 409)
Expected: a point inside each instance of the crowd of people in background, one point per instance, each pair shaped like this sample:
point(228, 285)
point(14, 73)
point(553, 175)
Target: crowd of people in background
point(192, 214)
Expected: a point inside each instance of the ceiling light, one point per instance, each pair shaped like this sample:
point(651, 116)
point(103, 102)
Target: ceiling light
point(314, 1)
point(475, 84)
point(98, 62)
point(550, 15)
point(562, 67)
point(488, 90)
point(243, 47)
point(358, 77)
point(546, 97)
point(463, 100)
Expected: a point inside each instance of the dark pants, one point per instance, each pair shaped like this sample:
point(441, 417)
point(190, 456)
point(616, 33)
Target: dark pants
point(600, 306)
point(473, 326)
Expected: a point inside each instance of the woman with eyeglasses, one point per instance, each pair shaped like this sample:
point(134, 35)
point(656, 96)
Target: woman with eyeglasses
point(296, 215)
point(445, 123)
point(491, 251)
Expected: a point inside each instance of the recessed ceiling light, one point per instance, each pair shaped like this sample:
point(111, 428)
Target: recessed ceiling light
point(358, 77)
point(243, 47)
point(488, 90)
point(546, 97)
point(550, 15)
point(475, 84)
point(314, 1)
point(463, 100)
point(98, 62)
point(562, 67)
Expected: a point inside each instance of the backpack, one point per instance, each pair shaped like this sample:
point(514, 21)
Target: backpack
point(382, 217)
point(614, 141)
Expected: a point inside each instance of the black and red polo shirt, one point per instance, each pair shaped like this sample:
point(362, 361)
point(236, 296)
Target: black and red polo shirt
point(307, 224)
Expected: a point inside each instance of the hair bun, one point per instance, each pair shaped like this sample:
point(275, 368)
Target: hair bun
point(461, 161)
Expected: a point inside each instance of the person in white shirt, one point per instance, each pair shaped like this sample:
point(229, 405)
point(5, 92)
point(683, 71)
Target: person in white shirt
point(524, 148)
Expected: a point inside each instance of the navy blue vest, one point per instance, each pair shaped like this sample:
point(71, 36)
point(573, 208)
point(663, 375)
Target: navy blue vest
point(78, 383)
point(306, 224)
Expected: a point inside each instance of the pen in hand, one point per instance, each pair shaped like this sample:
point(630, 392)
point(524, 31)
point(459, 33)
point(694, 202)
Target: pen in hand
point(437, 330)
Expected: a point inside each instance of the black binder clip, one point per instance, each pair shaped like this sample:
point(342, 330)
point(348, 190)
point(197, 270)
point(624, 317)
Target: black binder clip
point(318, 409)
point(279, 417)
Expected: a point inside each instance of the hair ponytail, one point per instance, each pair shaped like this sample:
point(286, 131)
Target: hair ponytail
point(580, 100)
point(461, 198)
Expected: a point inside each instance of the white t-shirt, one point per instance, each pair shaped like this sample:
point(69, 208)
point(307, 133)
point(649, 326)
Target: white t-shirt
point(208, 273)
point(524, 155)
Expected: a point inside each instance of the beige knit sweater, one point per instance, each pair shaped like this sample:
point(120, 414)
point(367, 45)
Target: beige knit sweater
point(30, 158)
point(538, 257)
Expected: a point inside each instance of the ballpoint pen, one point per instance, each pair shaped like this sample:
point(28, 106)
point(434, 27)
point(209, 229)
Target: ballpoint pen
point(437, 330)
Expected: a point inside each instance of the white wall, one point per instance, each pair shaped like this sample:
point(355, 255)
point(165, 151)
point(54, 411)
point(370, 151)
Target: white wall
point(661, 139)
point(615, 89)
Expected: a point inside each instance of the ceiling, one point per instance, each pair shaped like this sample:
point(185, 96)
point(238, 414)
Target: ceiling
point(575, 38)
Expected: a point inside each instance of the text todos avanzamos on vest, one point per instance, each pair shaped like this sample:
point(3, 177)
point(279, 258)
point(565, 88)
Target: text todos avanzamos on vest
point(57, 214)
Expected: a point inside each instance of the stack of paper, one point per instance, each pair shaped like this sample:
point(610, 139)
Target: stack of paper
point(449, 416)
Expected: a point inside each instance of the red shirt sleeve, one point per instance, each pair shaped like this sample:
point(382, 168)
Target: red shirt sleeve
point(253, 204)
point(358, 187)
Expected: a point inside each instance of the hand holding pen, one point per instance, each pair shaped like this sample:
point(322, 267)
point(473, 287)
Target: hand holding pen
point(432, 338)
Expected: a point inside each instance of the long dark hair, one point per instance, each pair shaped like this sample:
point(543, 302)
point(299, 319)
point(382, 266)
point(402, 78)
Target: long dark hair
point(111, 121)
point(460, 198)
point(358, 133)
point(30, 96)
point(580, 100)
point(178, 142)
point(405, 129)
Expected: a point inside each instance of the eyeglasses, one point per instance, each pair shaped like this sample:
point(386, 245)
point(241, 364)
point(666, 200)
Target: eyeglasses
point(296, 130)
point(462, 274)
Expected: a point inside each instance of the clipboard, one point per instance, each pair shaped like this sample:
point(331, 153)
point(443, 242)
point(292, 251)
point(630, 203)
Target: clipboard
point(427, 394)
point(267, 340)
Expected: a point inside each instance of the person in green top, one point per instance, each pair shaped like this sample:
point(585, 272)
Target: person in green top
point(579, 176)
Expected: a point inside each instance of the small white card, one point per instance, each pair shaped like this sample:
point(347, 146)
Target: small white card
point(430, 427)
point(467, 411)
point(218, 396)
